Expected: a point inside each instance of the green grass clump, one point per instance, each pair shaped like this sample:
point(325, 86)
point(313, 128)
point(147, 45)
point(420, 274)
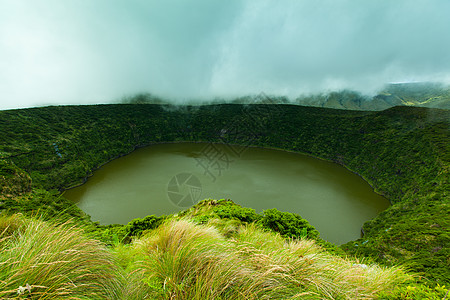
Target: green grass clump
point(303, 267)
point(181, 260)
point(416, 291)
point(53, 262)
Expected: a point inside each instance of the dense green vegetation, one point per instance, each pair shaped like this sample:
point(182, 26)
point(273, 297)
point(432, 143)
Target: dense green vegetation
point(403, 152)
point(179, 258)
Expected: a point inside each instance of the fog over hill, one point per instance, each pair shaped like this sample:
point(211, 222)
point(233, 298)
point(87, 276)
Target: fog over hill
point(82, 51)
point(421, 94)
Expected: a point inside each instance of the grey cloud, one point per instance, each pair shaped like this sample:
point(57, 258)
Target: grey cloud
point(59, 52)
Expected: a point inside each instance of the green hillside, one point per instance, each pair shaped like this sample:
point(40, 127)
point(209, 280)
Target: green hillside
point(420, 94)
point(403, 152)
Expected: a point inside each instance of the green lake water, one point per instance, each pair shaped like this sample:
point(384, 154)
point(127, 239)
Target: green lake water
point(166, 178)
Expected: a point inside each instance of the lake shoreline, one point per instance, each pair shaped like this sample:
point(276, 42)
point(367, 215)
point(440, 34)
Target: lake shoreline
point(84, 180)
point(257, 177)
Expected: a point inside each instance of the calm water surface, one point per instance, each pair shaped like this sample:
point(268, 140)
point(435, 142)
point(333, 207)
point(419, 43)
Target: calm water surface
point(162, 179)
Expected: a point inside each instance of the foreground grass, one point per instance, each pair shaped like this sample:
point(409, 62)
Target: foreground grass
point(39, 260)
point(181, 260)
point(178, 260)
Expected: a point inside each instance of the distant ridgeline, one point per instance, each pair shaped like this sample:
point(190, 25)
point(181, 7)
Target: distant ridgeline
point(403, 152)
point(420, 94)
point(433, 95)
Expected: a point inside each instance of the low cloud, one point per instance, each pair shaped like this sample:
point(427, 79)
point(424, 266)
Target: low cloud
point(79, 52)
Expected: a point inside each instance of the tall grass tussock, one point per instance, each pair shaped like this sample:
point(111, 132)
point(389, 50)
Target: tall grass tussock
point(181, 260)
point(39, 260)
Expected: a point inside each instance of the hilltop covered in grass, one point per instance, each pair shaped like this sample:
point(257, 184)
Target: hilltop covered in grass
point(403, 152)
point(180, 258)
point(205, 252)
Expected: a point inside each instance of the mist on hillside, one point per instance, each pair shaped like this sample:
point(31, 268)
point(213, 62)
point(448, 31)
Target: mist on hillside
point(81, 52)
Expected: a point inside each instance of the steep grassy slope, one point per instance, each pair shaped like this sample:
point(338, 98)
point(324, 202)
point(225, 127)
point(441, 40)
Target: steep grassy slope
point(179, 259)
point(403, 152)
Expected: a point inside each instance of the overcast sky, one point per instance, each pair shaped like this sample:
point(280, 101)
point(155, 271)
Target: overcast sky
point(97, 51)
